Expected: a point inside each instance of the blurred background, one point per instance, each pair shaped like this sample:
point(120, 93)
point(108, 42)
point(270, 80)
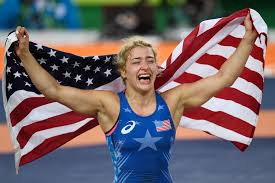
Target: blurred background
point(94, 27)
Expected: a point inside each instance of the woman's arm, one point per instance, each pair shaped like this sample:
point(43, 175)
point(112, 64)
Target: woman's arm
point(199, 92)
point(83, 101)
point(195, 94)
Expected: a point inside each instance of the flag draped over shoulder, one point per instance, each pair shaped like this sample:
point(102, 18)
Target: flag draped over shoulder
point(39, 126)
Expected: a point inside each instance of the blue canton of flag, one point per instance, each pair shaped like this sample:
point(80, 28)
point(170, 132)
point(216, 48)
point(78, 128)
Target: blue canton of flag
point(164, 125)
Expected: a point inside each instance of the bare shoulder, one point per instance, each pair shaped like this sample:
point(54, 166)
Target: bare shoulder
point(174, 102)
point(174, 94)
point(182, 92)
point(109, 97)
point(109, 110)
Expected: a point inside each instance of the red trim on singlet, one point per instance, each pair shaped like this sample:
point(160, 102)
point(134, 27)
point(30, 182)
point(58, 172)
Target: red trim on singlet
point(109, 132)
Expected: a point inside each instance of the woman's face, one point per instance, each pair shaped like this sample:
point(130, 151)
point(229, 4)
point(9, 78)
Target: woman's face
point(141, 69)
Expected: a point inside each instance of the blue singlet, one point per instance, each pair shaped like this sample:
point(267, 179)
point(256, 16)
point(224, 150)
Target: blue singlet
point(141, 146)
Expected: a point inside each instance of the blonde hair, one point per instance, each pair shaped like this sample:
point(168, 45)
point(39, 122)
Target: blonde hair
point(129, 44)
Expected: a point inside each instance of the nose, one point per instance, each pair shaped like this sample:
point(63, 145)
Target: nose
point(144, 65)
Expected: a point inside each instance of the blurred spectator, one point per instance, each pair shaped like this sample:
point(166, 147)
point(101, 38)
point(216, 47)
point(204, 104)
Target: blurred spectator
point(199, 10)
point(175, 15)
point(187, 12)
point(125, 21)
point(40, 14)
point(9, 10)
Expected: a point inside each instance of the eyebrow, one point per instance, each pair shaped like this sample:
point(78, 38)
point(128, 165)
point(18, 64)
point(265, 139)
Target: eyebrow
point(140, 57)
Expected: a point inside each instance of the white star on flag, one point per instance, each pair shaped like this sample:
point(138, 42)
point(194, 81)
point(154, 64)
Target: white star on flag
point(77, 78)
point(64, 60)
point(107, 59)
point(24, 74)
point(89, 81)
point(96, 58)
point(42, 61)
point(52, 53)
point(97, 69)
point(54, 67)
point(8, 69)
point(67, 74)
point(76, 64)
point(87, 68)
point(39, 46)
point(108, 72)
point(27, 84)
point(9, 86)
point(17, 74)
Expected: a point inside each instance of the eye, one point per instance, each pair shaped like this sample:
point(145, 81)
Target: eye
point(151, 61)
point(135, 62)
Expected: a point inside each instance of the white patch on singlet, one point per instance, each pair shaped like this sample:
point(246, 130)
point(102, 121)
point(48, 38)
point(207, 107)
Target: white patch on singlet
point(130, 125)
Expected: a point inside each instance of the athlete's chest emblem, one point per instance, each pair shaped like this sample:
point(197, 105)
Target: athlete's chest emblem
point(130, 125)
point(164, 125)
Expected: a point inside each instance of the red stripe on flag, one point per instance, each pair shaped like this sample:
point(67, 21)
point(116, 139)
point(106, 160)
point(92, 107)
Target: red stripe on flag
point(187, 78)
point(240, 98)
point(227, 94)
point(253, 77)
point(256, 53)
point(61, 120)
point(222, 119)
point(239, 145)
point(216, 61)
point(51, 144)
point(25, 107)
point(213, 60)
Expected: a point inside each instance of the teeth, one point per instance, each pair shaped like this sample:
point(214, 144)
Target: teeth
point(144, 75)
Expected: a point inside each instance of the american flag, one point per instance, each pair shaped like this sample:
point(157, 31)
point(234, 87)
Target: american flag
point(163, 125)
point(39, 126)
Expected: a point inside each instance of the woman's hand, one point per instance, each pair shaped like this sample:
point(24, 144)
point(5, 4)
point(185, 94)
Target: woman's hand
point(250, 32)
point(22, 49)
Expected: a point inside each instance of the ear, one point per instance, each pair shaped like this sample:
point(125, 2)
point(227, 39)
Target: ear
point(123, 73)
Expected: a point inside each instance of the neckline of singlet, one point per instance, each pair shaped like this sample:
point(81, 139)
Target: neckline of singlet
point(148, 116)
point(124, 99)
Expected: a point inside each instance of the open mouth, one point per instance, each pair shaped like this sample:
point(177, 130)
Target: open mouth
point(144, 77)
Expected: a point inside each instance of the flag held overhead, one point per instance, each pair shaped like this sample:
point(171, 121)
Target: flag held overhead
point(39, 126)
